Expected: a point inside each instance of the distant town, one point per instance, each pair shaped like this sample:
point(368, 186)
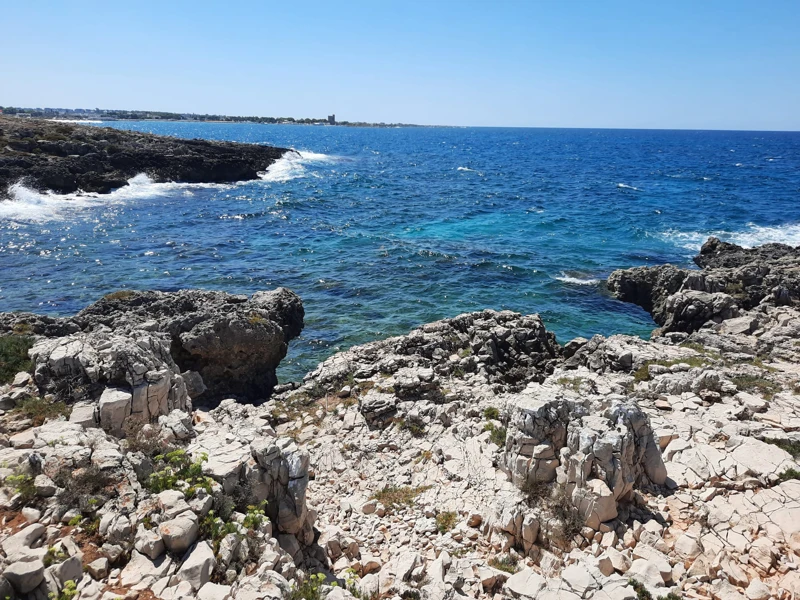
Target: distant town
point(100, 114)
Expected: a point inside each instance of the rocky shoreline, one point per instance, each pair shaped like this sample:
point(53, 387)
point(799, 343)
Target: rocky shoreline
point(66, 158)
point(475, 456)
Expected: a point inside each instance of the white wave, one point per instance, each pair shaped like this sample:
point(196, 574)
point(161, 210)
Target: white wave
point(26, 204)
point(576, 280)
point(293, 165)
point(465, 169)
point(754, 235)
point(624, 186)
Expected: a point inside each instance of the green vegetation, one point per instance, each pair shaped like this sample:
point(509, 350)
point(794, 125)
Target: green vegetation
point(177, 466)
point(505, 563)
point(255, 319)
point(535, 491)
point(309, 589)
point(75, 521)
point(790, 474)
point(22, 484)
point(497, 435)
point(465, 352)
point(120, 295)
point(643, 373)
point(573, 383)
point(86, 489)
point(415, 427)
point(445, 521)
point(565, 511)
point(214, 529)
point(492, 413)
point(54, 556)
point(759, 385)
point(256, 515)
point(424, 456)
point(643, 594)
point(40, 410)
point(14, 356)
point(68, 592)
point(791, 446)
point(393, 497)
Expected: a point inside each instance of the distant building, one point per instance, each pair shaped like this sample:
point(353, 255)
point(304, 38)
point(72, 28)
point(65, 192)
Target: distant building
point(331, 119)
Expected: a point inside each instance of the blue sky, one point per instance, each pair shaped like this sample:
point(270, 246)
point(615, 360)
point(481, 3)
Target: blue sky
point(699, 65)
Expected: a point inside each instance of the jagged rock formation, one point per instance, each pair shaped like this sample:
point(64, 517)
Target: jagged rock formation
point(220, 344)
point(66, 158)
point(731, 278)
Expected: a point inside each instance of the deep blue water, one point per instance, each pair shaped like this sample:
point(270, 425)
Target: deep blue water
point(380, 230)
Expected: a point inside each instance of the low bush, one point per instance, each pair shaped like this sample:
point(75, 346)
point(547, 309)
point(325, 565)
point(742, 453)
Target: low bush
point(414, 426)
point(759, 385)
point(85, 489)
point(535, 491)
point(39, 410)
point(446, 520)
point(14, 356)
point(492, 413)
point(120, 295)
point(791, 446)
point(505, 563)
point(177, 466)
point(22, 484)
point(393, 497)
point(309, 589)
point(497, 435)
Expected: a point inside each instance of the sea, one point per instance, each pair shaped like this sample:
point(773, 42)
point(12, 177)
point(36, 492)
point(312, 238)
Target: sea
point(380, 230)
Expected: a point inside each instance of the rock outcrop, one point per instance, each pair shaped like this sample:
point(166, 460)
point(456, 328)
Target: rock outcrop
point(731, 278)
point(66, 158)
point(204, 344)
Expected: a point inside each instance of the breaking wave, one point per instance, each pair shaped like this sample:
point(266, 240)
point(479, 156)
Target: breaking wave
point(577, 280)
point(754, 235)
point(293, 165)
point(26, 204)
point(624, 186)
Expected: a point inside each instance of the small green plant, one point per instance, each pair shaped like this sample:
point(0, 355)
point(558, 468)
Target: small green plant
point(465, 352)
point(40, 410)
point(505, 563)
point(22, 484)
point(491, 413)
point(535, 491)
point(14, 356)
point(459, 373)
point(256, 515)
point(414, 426)
point(573, 383)
point(393, 497)
point(791, 446)
point(177, 466)
point(213, 528)
point(82, 486)
point(309, 589)
point(752, 383)
point(68, 592)
point(54, 556)
point(643, 594)
point(790, 474)
point(22, 328)
point(497, 435)
point(446, 520)
point(75, 521)
point(564, 510)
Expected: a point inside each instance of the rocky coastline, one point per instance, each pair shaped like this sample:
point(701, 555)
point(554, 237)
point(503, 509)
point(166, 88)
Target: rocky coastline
point(147, 451)
point(66, 158)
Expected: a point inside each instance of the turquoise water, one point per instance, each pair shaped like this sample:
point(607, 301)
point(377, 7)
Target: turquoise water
point(380, 230)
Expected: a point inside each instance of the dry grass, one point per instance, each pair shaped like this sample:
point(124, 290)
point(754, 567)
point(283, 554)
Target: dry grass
point(394, 497)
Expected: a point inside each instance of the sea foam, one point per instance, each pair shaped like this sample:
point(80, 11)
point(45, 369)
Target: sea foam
point(26, 204)
point(292, 165)
point(753, 235)
point(577, 280)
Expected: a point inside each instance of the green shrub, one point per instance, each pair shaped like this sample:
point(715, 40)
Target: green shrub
point(68, 592)
point(14, 356)
point(120, 295)
point(39, 410)
point(790, 474)
point(214, 529)
point(505, 563)
point(84, 489)
point(309, 589)
point(177, 466)
point(759, 385)
point(573, 383)
point(256, 515)
point(492, 413)
point(445, 521)
point(393, 497)
point(22, 484)
point(497, 435)
point(535, 491)
point(54, 556)
point(791, 446)
point(414, 426)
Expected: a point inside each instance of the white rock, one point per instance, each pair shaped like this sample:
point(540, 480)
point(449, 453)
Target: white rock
point(198, 566)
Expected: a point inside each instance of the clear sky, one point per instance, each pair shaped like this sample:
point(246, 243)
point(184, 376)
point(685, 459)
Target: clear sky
point(667, 64)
